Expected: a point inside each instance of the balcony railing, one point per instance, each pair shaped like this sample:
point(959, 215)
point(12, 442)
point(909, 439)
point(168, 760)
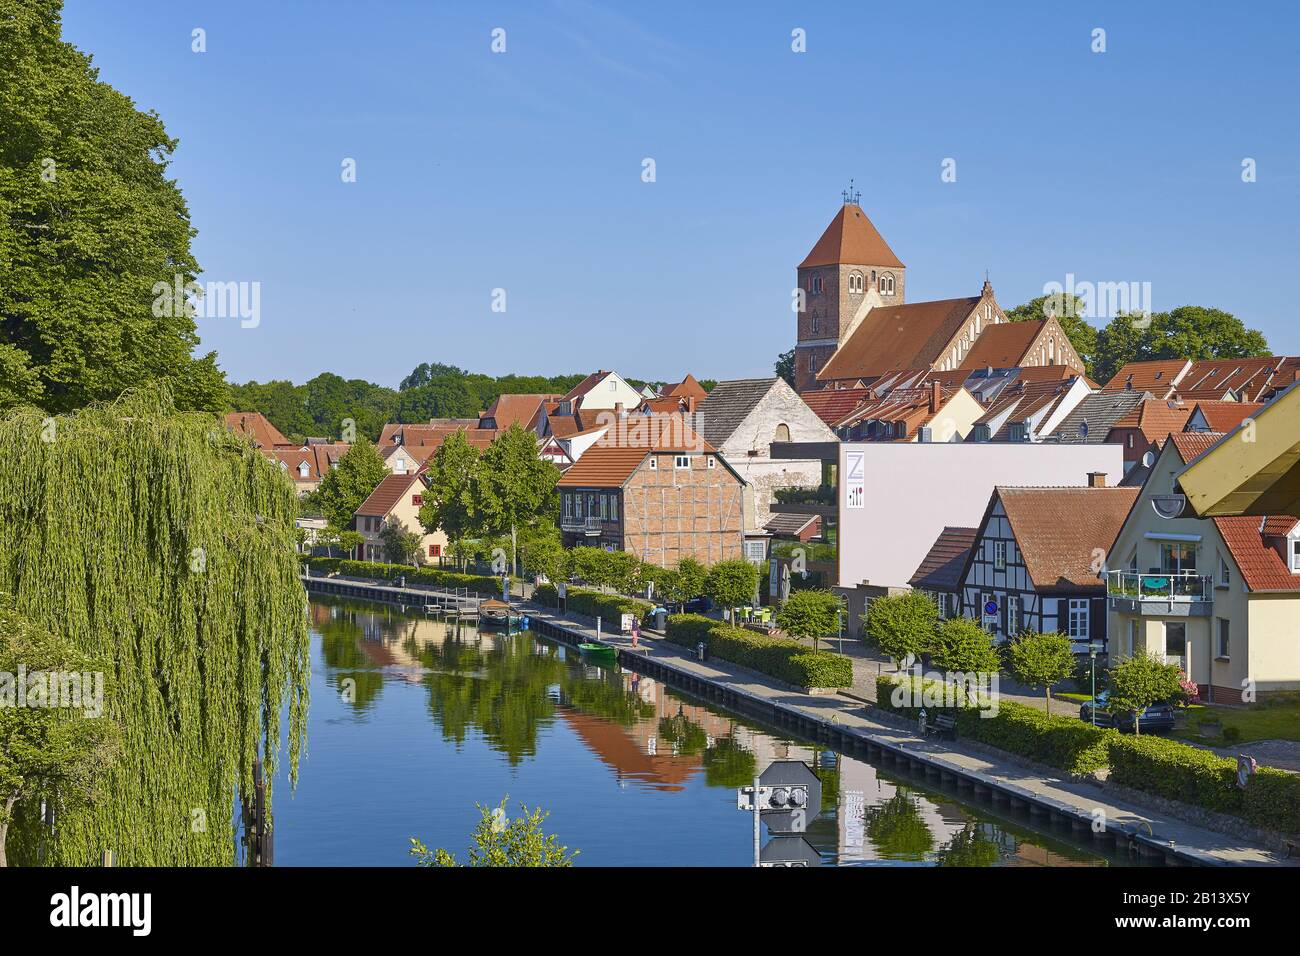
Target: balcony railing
point(1170, 586)
point(588, 526)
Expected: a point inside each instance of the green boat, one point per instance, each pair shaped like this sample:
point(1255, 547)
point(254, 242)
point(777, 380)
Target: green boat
point(598, 650)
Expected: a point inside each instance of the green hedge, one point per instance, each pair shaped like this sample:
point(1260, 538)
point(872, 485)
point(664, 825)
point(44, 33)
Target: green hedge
point(1057, 741)
point(375, 571)
point(1174, 770)
point(782, 658)
point(1272, 800)
point(608, 607)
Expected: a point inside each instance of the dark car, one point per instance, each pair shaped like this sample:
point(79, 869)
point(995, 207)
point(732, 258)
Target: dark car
point(699, 605)
point(1155, 718)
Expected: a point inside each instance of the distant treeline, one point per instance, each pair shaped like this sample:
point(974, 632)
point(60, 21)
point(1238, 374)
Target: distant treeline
point(432, 390)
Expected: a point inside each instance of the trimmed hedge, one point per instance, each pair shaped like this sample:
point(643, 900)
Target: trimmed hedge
point(376, 571)
point(1174, 770)
point(1057, 741)
point(1272, 800)
point(608, 607)
point(782, 658)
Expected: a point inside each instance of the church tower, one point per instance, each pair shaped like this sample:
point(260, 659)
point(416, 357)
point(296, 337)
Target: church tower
point(850, 269)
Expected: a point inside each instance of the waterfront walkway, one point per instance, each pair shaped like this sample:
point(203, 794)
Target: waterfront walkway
point(848, 713)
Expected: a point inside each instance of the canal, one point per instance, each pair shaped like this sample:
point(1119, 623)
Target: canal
point(413, 721)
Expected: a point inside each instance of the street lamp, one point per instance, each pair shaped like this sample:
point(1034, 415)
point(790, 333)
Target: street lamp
point(1092, 663)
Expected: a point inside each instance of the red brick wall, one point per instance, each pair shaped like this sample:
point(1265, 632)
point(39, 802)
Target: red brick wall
point(671, 513)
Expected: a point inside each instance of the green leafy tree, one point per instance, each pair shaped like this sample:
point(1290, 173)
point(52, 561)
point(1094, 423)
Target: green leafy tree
point(784, 366)
point(962, 645)
point(343, 489)
point(1139, 681)
point(543, 553)
point(401, 545)
point(1189, 331)
point(590, 565)
point(1068, 309)
point(451, 500)
point(514, 485)
point(19, 382)
point(625, 572)
point(731, 583)
point(692, 576)
point(902, 625)
point(897, 829)
point(1041, 660)
point(94, 234)
point(810, 614)
point(498, 841)
point(46, 753)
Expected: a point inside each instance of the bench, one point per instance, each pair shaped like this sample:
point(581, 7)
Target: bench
point(943, 725)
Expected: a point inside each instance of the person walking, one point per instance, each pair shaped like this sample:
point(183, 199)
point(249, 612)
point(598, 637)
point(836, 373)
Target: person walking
point(636, 631)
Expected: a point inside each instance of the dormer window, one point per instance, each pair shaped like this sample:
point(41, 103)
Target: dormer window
point(303, 470)
point(1295, 555)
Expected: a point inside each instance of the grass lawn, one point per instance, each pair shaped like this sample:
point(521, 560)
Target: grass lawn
point(1271, 720)
point(1070, 695)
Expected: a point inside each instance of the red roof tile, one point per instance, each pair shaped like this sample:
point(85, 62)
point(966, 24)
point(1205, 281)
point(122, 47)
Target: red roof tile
point(1157, 418)
point(942, 567)
point(1191, 444)
point(1247, 377)
point(1260, 563)
point(686, 388)
point(852, 239)
point(832, 404)
point(256, 426)
point(891, 337)
point(1225, 416)
point(1157, 377)
point(1060, 530)
point(386, 494)
point(1003, 345)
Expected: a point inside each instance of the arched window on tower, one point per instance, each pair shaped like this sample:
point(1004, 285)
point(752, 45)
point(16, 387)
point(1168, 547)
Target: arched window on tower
point(855, 283)
point(815, 322)
point(887, 283)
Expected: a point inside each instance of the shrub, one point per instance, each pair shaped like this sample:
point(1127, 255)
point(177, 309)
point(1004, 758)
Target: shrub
point(546, 595)
point(1063, 742)
point(1176, 771)
point(902, 625)
point(962, 645)
point(781, 658)
point(608, 607)
point(689, 629)
point(1272, 800)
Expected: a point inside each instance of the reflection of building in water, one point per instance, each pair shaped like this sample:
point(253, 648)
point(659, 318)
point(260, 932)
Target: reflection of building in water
point(391, 639)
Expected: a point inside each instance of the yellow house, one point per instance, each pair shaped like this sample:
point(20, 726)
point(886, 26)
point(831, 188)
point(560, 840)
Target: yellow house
point(1220, 597)
point(396, 502)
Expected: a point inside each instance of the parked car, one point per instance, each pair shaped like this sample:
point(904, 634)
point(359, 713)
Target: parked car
point(699, 605)
point(1158, 717)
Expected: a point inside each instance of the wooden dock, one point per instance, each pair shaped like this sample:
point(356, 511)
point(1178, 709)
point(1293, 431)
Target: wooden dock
point(458, 604)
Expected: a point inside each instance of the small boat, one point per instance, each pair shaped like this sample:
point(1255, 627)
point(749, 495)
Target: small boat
point(603, 651)
point(497, 613)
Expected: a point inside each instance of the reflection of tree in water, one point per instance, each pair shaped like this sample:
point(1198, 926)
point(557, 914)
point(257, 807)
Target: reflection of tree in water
point(728, 764)
point(686, 737)
point(341, 636)
point(604, 696)
point(970, 847)
point(896, 829)
point(503, 692)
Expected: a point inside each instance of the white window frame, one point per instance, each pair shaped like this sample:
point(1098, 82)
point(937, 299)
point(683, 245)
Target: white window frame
point(1013, 615)
point(568, 506)
point(654, 463)
point(1080, 612)
point(712, 461)
point(1295, 555)
point(999, 555)
point(988, 623)
point(1225, 573)
point(678, 461)
point(1223, 640)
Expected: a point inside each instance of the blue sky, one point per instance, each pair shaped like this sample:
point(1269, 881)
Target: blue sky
point(523, 170)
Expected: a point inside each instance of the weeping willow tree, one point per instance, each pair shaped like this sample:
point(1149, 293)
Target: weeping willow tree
point(162, 545)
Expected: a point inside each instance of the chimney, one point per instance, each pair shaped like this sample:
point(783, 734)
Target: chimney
point(690, 404)
point(1096, 479)
point(618, 410)
point(936, 396)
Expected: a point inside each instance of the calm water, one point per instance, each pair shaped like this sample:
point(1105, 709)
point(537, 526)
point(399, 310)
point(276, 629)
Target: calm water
point(413, 722)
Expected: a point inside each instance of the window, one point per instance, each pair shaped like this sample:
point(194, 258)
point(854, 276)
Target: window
point(1295, 556)
point(816, 322)
point(984, 617)
point(1079, 619)
point(1132, 637)
point(712, 461)
point(782, 432)
point(1223, 638)
point(604, 507)
point(577, 504)
point(1013, 615)
point(613, 385)
point(1225, 575)
point(812, 362)
point(1177, 556)
point(654, 463)
point(855, 283)
point(435, 551)
point(568, 506)
point(417, 500)
point(1000, 555)
point(613, 507)
point(815, 285)
point(755, 551)
point(887, 284)
point(399, 465)
point(303, 470)
point(681, 461)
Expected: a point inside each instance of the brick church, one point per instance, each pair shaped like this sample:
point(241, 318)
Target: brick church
point(855, 325)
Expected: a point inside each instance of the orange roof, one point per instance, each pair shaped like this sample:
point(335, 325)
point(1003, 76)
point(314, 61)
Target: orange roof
point(256, 426)
point(1250, 541)
point(1059, 530)
point(664, 405)
point(386, 494)
point(1225, 416)
point(851, 239)
point(586, 385)
point(1191, 444)
point(1047, 373)
point(1156, 377)
point(606, 466)
point(1249, 377)
point(1157, 419)
point(507, 410)
point(891, 337)
point(1003, 345)
point(908, 406)
point(423, 440)
point(687, 388)
point(320, 458)
point(832, 404)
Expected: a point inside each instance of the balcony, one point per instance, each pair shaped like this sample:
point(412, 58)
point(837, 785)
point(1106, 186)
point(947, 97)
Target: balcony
point(1165, 593)
point(591, 527)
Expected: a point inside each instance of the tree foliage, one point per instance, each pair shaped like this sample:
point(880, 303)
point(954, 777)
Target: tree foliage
point(1041, 660)
point(90, 222)
point(450, 501)
point(1068, 310)
point(1189, 331)
point(902, 625)
point(47, 753)
point(500, 841)
point(343, 489)
point(784, 366)
point(1139, 681)
point(731, 583)
point(960, 644)
point(514, 484)
point(811, 614)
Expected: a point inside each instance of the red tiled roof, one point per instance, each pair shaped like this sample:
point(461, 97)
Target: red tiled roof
point(942, 567)
point(1191, 444)
point(687, 388)
point(852, 239)
point(423, 440)
point(1260, 563)
point(1059, 531)
point(891, 337)
point(1250, 377)
point(507, 410)
point(386, 494)
point(320, 458)
point(1156, 377)
point(1157, 418)
point(1225, 416)
point(910, 406)
point(256, 426)
point(832, 404)
point(1003, 345)
point(604, 467)
point(586, 385)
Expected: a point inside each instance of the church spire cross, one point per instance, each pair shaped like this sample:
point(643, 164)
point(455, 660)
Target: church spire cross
point(851, 195)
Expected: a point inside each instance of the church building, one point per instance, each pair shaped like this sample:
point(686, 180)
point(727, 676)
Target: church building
point(855, 326)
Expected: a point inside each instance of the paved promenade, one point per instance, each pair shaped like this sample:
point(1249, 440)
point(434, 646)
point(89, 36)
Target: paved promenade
point(1205, 845)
